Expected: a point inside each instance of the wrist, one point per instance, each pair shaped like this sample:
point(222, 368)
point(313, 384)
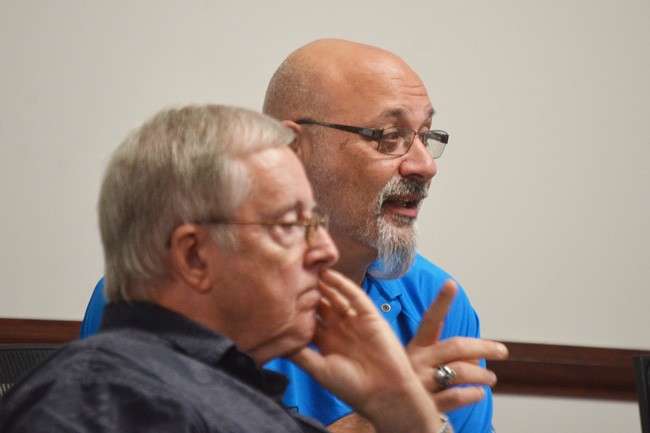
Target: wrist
point(446, 426)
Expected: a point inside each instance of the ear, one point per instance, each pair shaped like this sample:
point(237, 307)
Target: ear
point(302, 144)
point(190, 254)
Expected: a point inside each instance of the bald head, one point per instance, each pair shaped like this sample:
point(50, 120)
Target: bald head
point(320, 78)
point(360, 86)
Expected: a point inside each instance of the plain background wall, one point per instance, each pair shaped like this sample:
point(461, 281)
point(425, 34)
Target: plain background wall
point(540, 206)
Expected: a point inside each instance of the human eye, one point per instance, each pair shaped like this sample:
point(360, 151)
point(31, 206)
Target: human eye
point(288, 226)
point(392, 140)
point(287, 232)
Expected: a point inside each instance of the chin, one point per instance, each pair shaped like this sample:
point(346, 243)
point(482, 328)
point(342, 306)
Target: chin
point(296, 345)
point(305, 330)
point(400, 222)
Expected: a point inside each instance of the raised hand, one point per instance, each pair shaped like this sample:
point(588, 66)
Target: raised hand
point(361, 360)
point(460, 354)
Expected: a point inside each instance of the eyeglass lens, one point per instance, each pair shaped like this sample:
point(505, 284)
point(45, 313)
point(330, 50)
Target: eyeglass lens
point(314, 222)
point(398, 141)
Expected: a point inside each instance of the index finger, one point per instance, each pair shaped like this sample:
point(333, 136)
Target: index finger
point(347, 290)
point(434, 318)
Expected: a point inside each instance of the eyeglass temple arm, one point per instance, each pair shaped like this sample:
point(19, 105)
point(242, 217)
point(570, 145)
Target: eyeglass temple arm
point(375, 134)
point(441, 136)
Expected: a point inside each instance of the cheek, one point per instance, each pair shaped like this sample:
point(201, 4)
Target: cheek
point(284, 277)
point(369, 177)
point(337, 188)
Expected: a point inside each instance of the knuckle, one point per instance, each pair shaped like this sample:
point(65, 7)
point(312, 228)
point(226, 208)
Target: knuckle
point(450, 399)
point(455, 344)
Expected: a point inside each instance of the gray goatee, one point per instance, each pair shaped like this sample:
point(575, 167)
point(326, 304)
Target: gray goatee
point(396, 238)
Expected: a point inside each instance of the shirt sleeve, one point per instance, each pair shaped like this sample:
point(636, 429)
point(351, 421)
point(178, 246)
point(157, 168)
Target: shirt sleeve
point(306, 396)
point(101, 408)
point(93, 317)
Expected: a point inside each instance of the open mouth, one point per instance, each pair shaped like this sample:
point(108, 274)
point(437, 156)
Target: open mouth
point(406, 206)
point(403, 202)
point(401, 197)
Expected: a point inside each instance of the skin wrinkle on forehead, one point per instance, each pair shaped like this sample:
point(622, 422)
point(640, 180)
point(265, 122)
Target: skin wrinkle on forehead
point(393, 110)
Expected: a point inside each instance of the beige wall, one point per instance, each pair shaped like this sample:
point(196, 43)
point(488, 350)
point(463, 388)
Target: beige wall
point(540, 207)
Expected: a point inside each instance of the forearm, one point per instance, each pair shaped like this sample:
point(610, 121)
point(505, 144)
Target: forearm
point(411, 412)
point(355, 423)
point(352, 423)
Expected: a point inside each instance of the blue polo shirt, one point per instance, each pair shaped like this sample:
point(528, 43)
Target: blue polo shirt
point(402, 302)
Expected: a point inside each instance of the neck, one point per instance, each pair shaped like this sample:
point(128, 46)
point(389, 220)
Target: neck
point(355, 258)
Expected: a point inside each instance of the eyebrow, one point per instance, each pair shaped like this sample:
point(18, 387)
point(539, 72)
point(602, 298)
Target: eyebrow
point(298, 206)
point(399, 113)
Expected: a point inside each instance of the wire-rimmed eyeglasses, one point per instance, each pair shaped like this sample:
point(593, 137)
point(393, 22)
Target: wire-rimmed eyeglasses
point(310, 225)
point(395, 140)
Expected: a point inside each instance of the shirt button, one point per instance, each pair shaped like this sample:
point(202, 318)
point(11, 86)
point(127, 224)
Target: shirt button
point(385, 308)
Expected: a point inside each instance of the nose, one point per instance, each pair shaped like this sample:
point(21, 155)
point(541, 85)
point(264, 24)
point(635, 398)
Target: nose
point(418, 163)
point(322, 252)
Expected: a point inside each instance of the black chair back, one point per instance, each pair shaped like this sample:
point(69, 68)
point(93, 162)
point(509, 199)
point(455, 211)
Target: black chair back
point(17, 360)
point(642, 377)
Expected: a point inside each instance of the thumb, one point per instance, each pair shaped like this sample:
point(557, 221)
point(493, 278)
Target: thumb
point(308, 359)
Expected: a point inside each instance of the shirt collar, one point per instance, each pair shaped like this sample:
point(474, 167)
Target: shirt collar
point(193, 339)
point(388, 291)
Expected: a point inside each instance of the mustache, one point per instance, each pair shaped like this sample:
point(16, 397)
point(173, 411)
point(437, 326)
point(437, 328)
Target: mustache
point(402, 186)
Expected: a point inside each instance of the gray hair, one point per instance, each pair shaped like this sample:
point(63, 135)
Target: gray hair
point(181, 166)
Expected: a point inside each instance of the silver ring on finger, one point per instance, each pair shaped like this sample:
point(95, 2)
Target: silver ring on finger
point(443, 376)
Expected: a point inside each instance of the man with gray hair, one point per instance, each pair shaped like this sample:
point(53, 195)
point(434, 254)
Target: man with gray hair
point(216, 262)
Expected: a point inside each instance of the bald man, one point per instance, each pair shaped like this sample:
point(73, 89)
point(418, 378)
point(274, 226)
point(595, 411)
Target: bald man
point(364, 120)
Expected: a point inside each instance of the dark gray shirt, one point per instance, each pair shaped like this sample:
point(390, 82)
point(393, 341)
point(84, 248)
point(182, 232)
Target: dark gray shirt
point(150, 370)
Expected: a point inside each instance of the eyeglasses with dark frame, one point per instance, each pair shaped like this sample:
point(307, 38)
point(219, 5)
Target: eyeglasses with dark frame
point(395, 141)
point(311, 224)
